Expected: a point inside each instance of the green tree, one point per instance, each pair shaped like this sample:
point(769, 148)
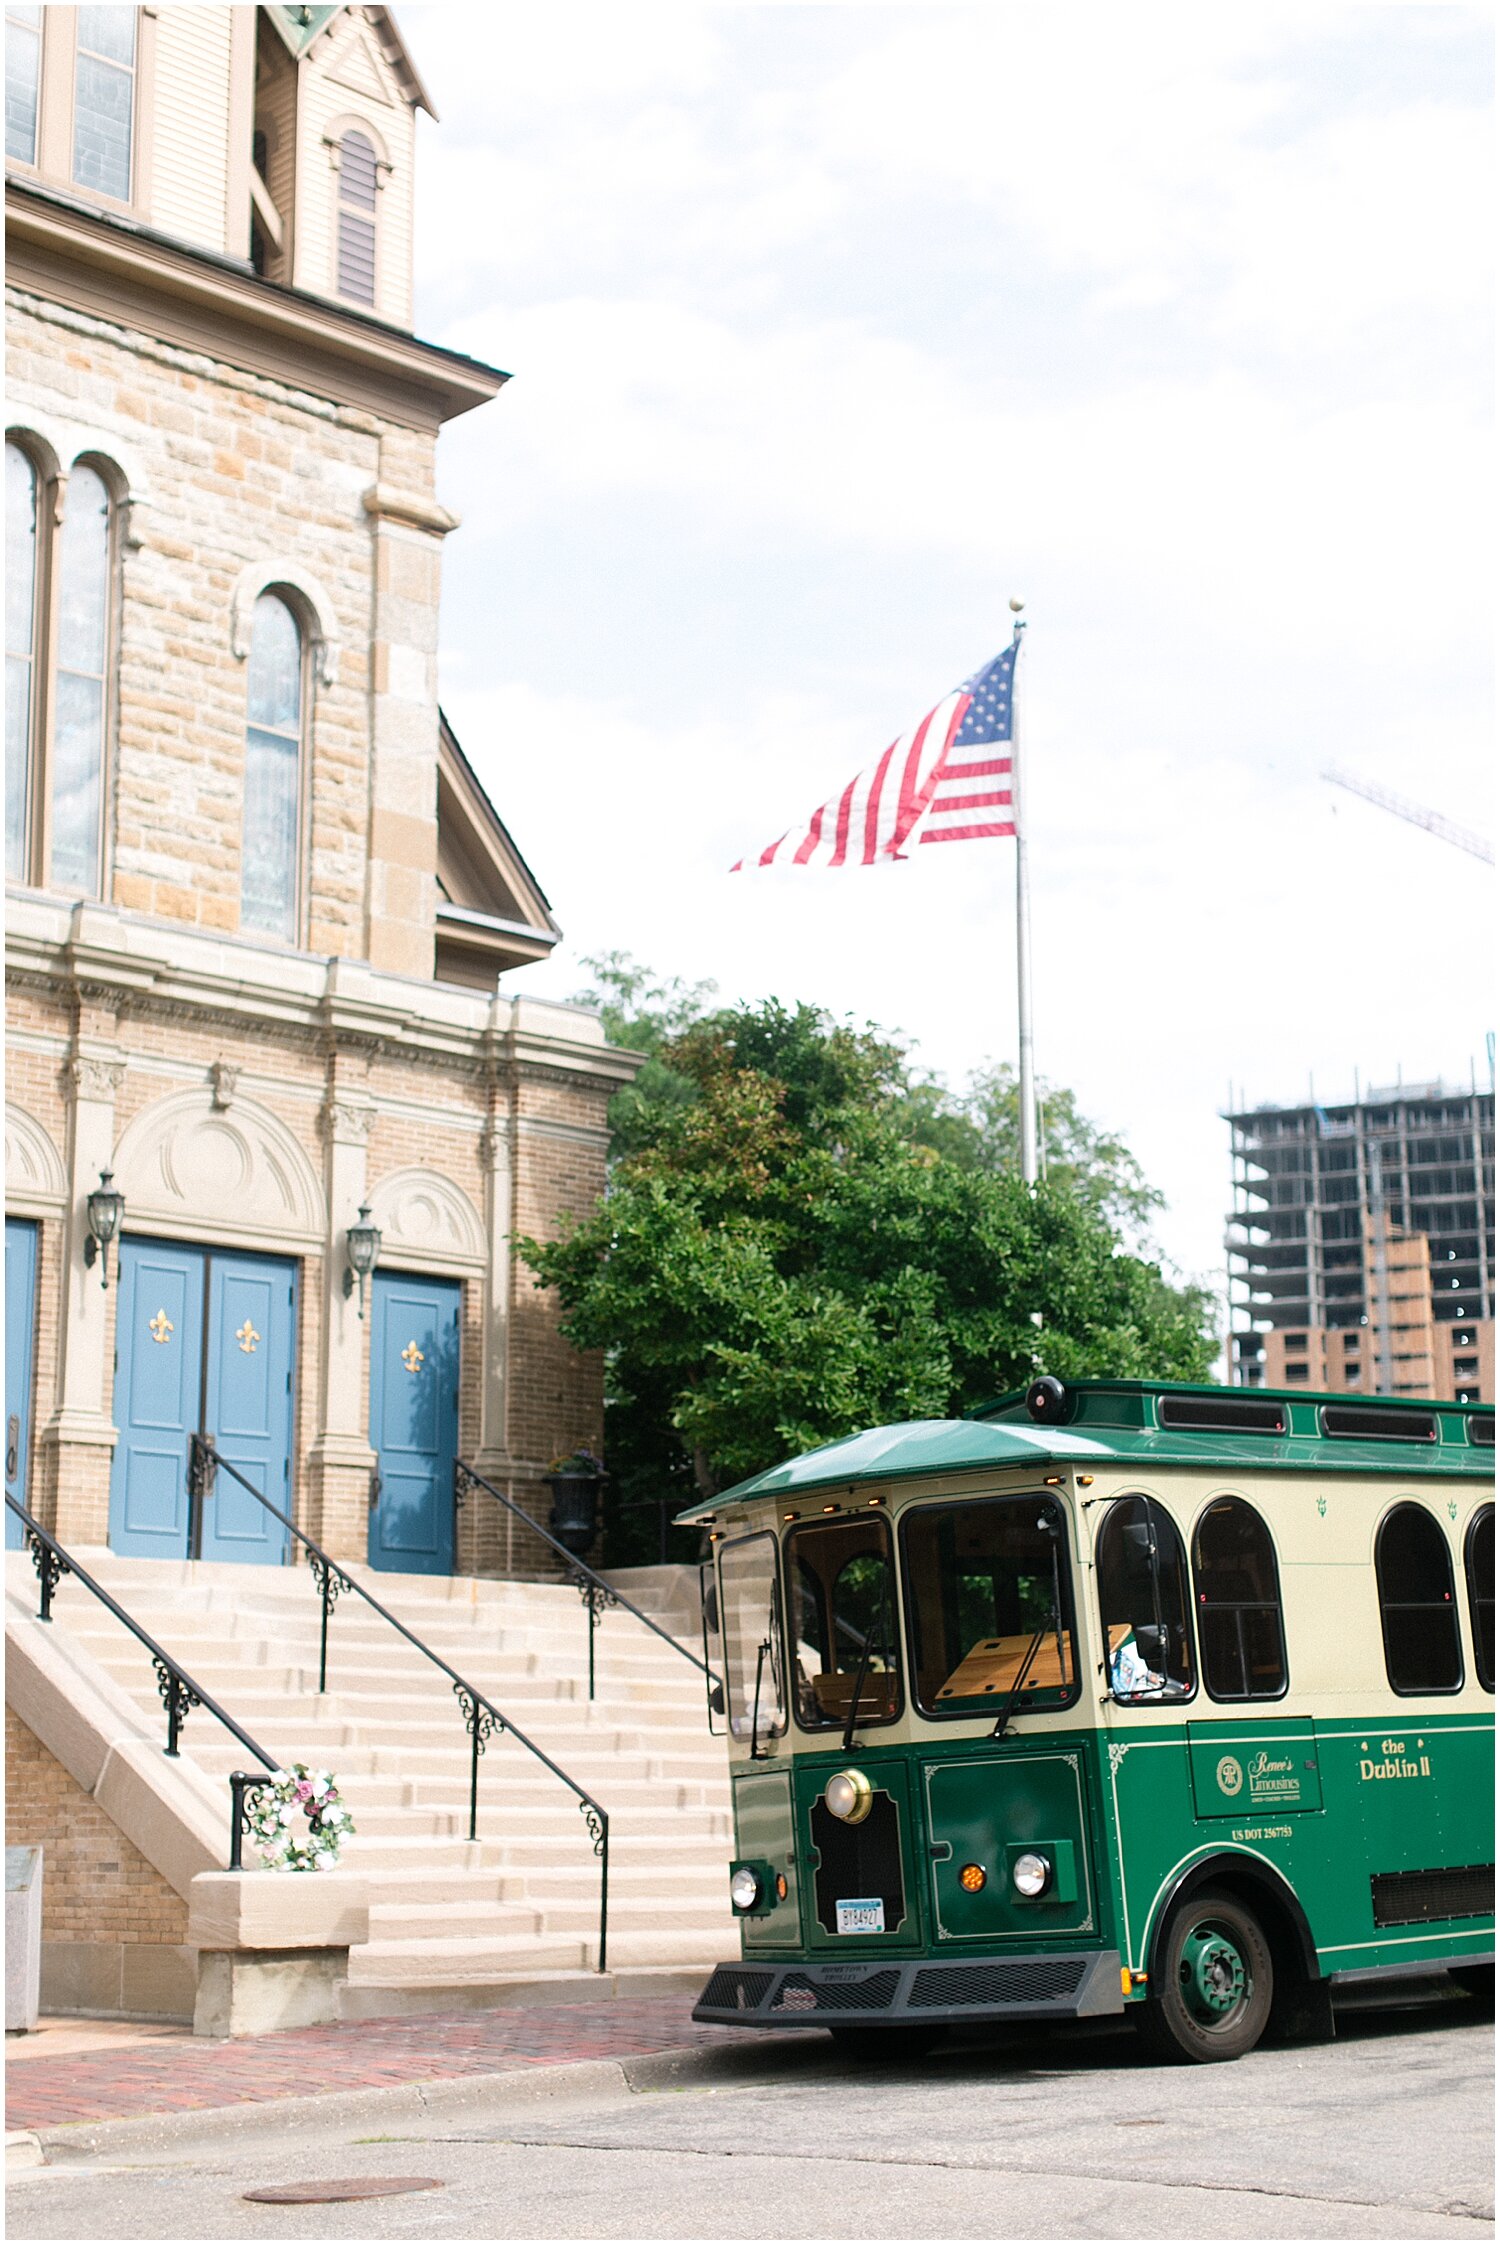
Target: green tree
point(783, 1257)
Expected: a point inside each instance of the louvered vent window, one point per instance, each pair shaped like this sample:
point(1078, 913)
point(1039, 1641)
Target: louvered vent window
point(357, 188)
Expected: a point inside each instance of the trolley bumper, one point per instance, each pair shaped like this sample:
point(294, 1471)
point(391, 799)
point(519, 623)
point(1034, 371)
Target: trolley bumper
point(970, 1990)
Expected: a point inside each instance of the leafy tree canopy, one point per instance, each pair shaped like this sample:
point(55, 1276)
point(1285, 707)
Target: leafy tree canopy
point(800, 1240)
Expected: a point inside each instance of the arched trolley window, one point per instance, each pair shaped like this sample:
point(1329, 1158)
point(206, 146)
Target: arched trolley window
point(1479, 1566)
point(1143, 1604)
point(1241, 1640)
point(1418, 1617)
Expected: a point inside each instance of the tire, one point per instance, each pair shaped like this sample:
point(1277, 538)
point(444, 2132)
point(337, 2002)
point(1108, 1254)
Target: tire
point(1477, 1980)
point(873, 2046)
point(1214, 1984)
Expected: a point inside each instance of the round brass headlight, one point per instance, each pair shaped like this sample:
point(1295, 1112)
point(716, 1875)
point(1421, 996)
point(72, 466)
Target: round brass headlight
point(849, 1796)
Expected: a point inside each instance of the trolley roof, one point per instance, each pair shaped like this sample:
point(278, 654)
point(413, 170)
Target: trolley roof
point(1096, 1423)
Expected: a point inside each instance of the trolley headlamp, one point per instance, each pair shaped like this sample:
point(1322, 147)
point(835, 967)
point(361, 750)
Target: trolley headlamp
point(849, 1796)
point(744, 1888)
point(1031, 1874)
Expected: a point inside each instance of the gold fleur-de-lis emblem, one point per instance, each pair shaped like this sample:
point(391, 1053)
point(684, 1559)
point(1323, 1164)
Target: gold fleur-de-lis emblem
point(248, 1338)
point(160, 1326)
point(412, 1357)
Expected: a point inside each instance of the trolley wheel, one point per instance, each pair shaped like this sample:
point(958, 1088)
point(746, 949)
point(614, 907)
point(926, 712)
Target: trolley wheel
point(886, 2045)
point(1477, 1980)
point(1214, 1985)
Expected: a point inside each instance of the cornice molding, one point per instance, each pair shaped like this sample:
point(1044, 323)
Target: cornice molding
point(117, 271)
point(386, 504)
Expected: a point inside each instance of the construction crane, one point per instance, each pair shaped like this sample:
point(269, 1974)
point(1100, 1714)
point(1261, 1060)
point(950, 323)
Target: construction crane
point(1432, 822)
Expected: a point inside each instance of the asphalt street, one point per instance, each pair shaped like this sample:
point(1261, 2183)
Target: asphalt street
point(1385, 2133)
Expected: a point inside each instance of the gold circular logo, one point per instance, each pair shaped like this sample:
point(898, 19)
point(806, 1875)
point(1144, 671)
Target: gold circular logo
point(1231, 1776)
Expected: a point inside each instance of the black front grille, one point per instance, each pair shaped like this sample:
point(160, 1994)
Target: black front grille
point(1422, 1897)
point(732, 1989)
point(1038, 1980)
point(858, 1861)
point(799, 1993)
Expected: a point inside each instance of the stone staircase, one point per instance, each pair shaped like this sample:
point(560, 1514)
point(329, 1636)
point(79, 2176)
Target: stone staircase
point(453, 1920)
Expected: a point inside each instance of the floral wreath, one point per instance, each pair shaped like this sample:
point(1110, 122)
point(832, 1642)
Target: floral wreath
point(274, 1807)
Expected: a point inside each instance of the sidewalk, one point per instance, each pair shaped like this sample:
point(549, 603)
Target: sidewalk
point(93, 2070)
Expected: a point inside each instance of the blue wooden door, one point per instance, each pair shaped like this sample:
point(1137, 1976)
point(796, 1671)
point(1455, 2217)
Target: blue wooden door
point(413, 1421)
point(247, 1403)
point(158, 1394)
point(20, 1324)
point(203, 1342)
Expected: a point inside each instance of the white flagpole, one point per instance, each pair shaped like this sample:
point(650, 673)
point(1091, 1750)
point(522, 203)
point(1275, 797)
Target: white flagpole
point(1023, 918)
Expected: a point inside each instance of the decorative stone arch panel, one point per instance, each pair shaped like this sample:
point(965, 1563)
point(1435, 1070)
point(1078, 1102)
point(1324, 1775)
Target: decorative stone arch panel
point(313, 608)
point(36, 1184)
point(196, 1171)
point(427, 1223)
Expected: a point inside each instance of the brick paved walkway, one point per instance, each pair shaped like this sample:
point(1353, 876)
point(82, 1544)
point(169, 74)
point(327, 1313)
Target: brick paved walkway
point(189, 2075)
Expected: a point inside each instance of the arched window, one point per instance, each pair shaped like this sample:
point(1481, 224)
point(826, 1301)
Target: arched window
point(21, 576)
point(78, 720)
point(1143, 1603)
point(1240, 1636)
point(358, 177)
point(59, 667)
point(273, 760)
point(1479, 1566)
point(1418, 1618)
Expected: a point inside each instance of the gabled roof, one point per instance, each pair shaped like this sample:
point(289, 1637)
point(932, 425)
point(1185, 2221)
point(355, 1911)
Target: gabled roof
point(301, 27)
point(491, 909)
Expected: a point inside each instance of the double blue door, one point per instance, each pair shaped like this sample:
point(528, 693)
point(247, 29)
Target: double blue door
point(413, 1421)
point(20, 1332)
point(204, 1342)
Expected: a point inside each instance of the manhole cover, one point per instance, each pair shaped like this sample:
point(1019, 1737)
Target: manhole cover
point(332, 2192)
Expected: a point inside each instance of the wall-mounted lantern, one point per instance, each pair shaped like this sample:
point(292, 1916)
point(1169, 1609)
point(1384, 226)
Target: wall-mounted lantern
point(106, 1206)
point(362, 1241)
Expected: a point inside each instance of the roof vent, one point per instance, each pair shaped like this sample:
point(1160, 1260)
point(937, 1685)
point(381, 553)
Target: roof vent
point(1364, 1425)
point(1482, 1431)
point(1047, 1401)
point(1222, 1414)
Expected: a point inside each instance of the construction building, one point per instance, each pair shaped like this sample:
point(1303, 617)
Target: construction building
point(1361, 1244)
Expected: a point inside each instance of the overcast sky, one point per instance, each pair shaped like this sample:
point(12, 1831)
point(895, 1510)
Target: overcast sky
point(833, 327)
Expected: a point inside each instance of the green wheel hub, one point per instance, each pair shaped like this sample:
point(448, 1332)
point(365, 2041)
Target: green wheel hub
point(1212, 1975)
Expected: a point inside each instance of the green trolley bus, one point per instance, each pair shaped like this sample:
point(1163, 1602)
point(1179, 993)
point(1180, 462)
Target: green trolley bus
point(1113, 1697)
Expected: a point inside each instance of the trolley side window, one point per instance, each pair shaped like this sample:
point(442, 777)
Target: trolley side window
point(1143, 1604)
point(1418, 1618)
point(750, 1616)
point(1241, 1641)
point(843, 1606)
point(989, 1606)
point(1479, 1566)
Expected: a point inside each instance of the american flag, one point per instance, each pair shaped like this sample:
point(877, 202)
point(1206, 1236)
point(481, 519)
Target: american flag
point(948, 780)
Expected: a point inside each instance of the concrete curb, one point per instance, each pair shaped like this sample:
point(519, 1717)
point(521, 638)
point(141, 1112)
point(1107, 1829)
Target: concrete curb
point(471, 2098)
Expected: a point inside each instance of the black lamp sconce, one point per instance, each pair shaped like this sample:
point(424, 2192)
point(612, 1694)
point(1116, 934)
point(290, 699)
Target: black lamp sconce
point(106, 1206)
point(362, 1241)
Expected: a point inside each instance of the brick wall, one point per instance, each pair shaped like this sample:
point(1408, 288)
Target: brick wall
point(96, 1884)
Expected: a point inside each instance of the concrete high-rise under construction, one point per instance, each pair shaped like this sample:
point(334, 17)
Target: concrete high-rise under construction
point(1361, 1244)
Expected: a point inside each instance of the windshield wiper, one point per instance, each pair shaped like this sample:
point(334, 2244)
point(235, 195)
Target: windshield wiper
point(1052, 1621)
point(864, 1664)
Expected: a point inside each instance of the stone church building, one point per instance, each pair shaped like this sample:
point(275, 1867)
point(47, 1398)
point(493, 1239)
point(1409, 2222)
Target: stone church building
point(264, 927)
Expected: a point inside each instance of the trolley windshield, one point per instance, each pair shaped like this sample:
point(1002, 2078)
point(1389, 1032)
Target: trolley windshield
point(990, 1605)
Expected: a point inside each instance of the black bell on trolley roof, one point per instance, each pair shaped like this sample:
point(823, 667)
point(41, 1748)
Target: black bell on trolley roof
point(1047, 1401)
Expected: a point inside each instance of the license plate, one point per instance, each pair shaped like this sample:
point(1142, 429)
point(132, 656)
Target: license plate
point(863, 1916)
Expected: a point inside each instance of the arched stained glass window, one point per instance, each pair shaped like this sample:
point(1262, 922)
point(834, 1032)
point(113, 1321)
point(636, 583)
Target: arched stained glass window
point(1418, 1617)
point(20, 655)
point(273, 757)
point(1240, 1636)
point(78, 719)
point(358, 186)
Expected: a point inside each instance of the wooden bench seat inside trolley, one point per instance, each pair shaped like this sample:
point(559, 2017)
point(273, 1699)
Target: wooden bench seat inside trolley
point(993, 1664)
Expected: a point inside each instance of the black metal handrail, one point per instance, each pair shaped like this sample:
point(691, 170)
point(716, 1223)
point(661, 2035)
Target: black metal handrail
point(595, 1592)
point(483, 1720)
point(179, 1691)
